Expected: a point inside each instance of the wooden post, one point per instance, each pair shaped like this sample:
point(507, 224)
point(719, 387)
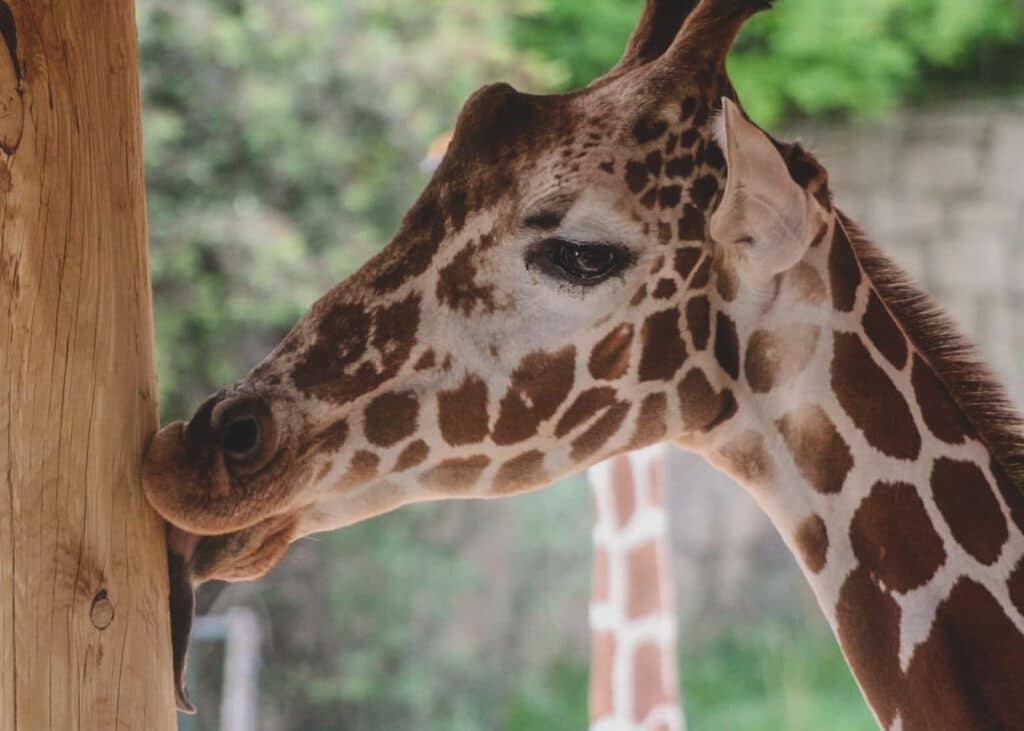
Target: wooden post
point(84, 631)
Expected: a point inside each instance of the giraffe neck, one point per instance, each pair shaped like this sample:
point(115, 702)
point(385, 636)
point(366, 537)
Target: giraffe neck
point(633, 683)
point(905, 524)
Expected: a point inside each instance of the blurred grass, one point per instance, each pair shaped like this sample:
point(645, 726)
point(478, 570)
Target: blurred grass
point(759, 677)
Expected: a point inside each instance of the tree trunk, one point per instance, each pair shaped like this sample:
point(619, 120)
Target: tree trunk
point(84, 635)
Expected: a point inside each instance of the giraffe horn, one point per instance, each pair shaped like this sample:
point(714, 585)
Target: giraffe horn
point(658, 26)
point(710, 31)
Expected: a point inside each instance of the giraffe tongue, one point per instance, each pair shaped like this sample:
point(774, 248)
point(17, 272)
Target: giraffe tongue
point(181, 545)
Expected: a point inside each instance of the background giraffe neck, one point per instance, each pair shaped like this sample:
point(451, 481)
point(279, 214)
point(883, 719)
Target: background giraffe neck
point(633, 676)
point(884, 485)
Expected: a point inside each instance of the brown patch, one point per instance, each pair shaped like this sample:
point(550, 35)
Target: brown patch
point(413, 249)
point(593, 439)
point(703, 276)
point(969, 506)
point(640, 296)
point(329, 440)
point(599, 576)
point(648, 683)
point(651, 425)
point(414, 454)
point(462, 413)
point(727, 345)
point(819, 450)
point(698, 321)
point(456, 475)
point(703, 191)
point(843, 271)
point(967, 674)
point(664, 233)
point(680, 167)
point(686, 259)
point(812, 541)
point(663, 349)
point(586, 406)
point(636, 176)
point(458, 289)
point(699, 405)
point(868, 627)
point(390, 418)
point(361, 470)
point(602, 662)
point(1012, 495)
point(692, 224)
point(894, 539)
point(623, 491)
point(728, 410)
point(539, 385)
point(871, 399)
point(941, 414)
point(609, 360)
point(747, 459)
point(807, 283)
point(727, 282)
point(776, 357)
point(884, 332)
point(521, 473)
point(427, 360)
point(670, 196)
point(644, 595)
point(1016, 586)
point(665, 289)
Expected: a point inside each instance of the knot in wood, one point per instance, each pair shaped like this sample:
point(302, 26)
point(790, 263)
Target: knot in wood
point(102, 611)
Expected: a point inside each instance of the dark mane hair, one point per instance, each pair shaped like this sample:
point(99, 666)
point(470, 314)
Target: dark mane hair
point(970, 382)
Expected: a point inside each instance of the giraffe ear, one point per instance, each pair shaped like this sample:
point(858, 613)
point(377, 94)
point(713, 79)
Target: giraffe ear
point(764, 215)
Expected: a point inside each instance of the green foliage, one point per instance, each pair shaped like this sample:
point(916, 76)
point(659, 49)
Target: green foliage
point(806, 56)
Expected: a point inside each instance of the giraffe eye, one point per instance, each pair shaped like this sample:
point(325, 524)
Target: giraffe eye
point(578, 263)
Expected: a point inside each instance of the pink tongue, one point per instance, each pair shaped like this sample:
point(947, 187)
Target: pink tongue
point(181, 542)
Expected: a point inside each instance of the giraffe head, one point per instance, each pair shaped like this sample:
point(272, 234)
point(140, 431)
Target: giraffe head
point(563, 290)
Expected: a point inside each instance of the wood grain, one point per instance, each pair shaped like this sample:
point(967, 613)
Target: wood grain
point(84, 636)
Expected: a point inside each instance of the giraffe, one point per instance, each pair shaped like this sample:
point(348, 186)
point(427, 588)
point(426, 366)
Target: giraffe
point(633, 673)
point(593, 272)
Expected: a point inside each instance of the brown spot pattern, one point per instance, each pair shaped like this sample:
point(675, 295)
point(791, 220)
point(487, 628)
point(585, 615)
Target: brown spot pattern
point(844, 271)
point(593, 439)
point(698, 402)
point(458, 289)
point(462, 413)
point(361, 470)
point(812, 542)
point(644, 595)
point(967, 674)
point(390, 418)
point(602, 660)
point(651, 426)
point(456, 475)
point(1016, 586)
point(893, 538)
point(609, 360)
point(868, 627)
point(818, 449)
point(649, 685)
point(686, 259)
point(776, 357)
point(414, 454)
point(748, 460)
point(807, 283)
point(883, 331)
point(871, 399)
point(969, 506)
point(663, 349)
point(727, 345)
point(665, 289)
point(540, 384)
point(698, 321)
point(521, 473)
point(587, 405)
point(941, 414)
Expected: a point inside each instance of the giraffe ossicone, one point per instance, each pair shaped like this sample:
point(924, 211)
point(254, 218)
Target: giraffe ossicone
point(594, 272)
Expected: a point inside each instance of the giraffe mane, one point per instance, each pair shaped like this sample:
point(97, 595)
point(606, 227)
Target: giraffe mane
point(971, 384)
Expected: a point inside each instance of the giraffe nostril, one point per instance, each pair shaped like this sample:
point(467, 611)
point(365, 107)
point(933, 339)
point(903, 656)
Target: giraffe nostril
point(240, 438)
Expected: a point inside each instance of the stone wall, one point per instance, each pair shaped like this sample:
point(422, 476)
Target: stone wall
point(941, 190)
